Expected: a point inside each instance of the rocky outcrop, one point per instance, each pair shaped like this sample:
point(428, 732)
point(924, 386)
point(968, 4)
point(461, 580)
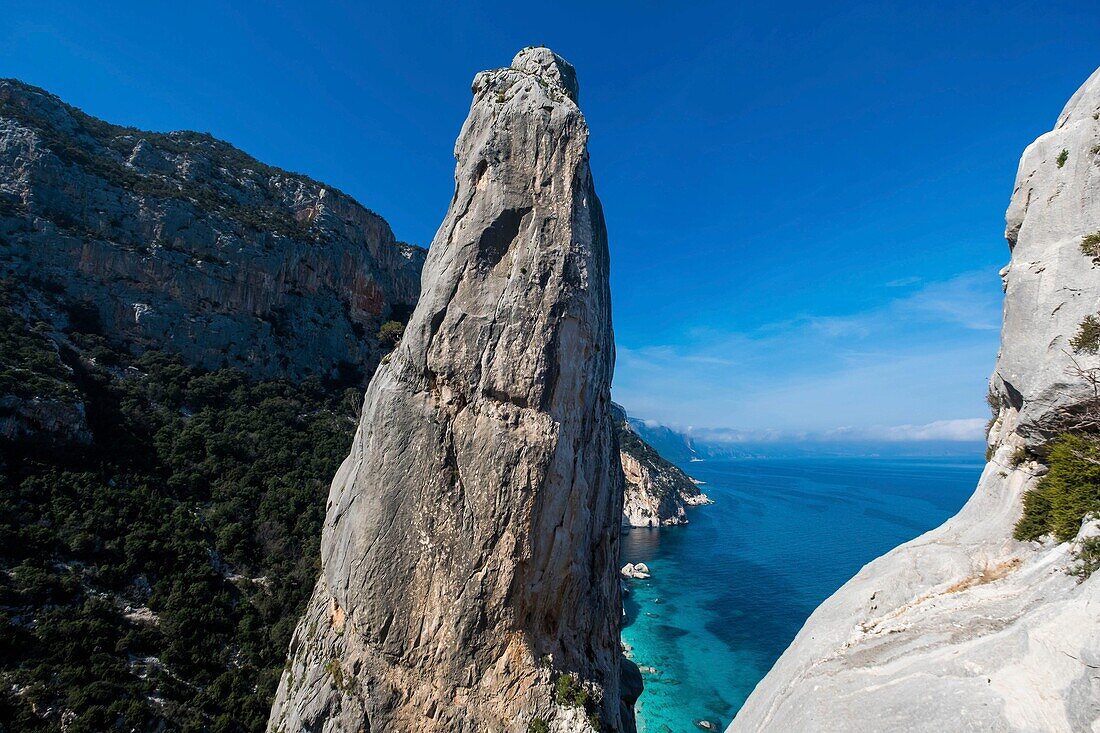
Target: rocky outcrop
point(182, 242)
point(469, 558)
point(635, 571)
point(965, 628)
point(656, 491)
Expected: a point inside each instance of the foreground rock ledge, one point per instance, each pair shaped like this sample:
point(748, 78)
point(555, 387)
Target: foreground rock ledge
point(469, 555)
point(964, 628)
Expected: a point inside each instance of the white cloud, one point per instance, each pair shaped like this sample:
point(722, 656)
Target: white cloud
point(902, 282)
point(959, 430)
point(903, 364)
point(965, 429)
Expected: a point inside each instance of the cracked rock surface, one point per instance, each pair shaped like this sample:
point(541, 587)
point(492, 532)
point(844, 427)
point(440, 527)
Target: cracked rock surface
point(469, 555)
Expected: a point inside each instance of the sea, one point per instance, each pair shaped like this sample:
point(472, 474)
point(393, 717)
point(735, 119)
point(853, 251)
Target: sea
point(730, 590)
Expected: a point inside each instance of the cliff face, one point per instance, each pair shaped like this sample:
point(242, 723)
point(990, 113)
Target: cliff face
point(965, 628)
point(469, 558)
point(656, 492)
point(180, 241)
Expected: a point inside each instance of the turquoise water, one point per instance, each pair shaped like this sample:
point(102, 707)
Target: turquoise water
point(730, 590)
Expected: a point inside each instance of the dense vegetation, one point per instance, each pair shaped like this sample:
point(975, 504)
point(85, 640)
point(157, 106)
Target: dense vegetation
point(29, 362)
point(151, 579)
point(1066, 494)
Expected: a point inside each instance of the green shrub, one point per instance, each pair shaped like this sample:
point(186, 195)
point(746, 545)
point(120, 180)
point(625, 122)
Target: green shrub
point(391, 332)
point(1066, 494)
point(1063, 157)
point(569, 692)
point(1087, 338)
point(538, 725)
point(1090, 246)
point(335, 671)
point(1088, 558)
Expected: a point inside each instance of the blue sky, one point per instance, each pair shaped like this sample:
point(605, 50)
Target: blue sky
point(805, 204)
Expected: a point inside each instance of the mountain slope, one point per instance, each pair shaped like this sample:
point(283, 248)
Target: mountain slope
point(179, 325)
point(182, 242)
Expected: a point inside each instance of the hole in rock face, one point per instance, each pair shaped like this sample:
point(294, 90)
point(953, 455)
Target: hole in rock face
point(498, 237)
point(1015, 399)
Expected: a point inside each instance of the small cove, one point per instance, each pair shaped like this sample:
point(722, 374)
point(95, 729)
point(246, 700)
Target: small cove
point(731, 589)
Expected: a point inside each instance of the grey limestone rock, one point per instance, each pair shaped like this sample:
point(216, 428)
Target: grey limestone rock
point(469, 555)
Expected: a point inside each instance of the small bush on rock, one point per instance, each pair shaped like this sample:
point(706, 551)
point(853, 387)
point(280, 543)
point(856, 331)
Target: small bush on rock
point(1088, 558)
point(1087, 338)
point(1063, 157)
point(1090, 246)
point(569, 691)
point(391, 332)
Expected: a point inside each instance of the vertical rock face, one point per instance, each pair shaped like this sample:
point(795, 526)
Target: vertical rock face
point(965, 628)
point(470, 548)
point(1050, 285)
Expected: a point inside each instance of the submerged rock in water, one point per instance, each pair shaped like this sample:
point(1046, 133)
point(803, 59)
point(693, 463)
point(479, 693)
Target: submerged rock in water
point(638, 571)
point(470, 546)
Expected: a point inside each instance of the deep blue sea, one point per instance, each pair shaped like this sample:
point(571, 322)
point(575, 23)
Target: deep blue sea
point(731, 589)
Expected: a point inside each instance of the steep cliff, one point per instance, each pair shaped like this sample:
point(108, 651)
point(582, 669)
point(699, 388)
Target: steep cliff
point(656, 492)
point(966, 628)
point(469, 557)
point(182, 242)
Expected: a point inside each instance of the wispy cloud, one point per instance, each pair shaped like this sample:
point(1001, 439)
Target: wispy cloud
point(966, 301)
point(915, 363)
point(966, 429)
point(902, 282)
